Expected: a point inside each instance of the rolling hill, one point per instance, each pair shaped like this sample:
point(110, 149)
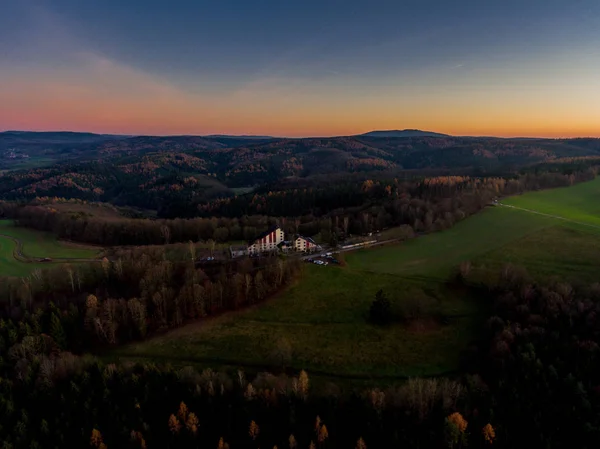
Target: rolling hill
point(403, 133)
point(151, 172)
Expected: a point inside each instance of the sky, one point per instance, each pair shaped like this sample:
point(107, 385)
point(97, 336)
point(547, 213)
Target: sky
point(301, 68)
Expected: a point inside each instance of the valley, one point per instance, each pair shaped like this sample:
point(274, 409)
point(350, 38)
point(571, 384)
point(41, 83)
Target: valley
point(321, 321)
point(183, 263)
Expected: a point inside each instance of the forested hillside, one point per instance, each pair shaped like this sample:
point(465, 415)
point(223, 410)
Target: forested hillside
point(156, 172)
point(331, 213)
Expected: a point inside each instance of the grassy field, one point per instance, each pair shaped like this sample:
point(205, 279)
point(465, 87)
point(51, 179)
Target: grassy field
point(580, 203)
point(323, 318)
point(323, 315)
point(35, 245)
point(547, 246)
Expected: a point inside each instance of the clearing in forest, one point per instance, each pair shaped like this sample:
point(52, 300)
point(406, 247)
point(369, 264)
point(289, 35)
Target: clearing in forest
point(34, 245)
point(320, 322)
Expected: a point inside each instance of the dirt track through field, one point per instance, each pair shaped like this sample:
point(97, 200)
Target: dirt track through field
point(558, 217)
point(28, 259)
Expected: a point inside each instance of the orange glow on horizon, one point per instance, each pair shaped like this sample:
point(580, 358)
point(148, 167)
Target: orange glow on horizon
point(105, 97)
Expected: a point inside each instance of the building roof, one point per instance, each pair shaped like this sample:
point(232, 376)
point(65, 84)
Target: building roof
point(308, 239)
point(264, 234)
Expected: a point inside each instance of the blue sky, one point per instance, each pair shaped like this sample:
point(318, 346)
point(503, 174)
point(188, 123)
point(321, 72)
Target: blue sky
point(300, 68)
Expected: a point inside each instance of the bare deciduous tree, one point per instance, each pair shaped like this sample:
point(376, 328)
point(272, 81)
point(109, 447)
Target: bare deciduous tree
point(165, 231)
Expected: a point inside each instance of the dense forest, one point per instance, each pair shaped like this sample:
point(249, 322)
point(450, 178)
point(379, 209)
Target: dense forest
point(531, 381)
point(155, 172)
point(140, 292)
point(331, 213)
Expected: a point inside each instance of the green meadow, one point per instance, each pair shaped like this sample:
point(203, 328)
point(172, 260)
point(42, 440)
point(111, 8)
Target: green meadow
point(322, 317)
point(35, 245)
point(579, 203)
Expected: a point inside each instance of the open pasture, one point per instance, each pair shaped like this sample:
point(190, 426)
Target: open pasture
point(34, 245)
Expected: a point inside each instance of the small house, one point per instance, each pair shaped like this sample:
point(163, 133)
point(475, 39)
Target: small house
point(238, 251)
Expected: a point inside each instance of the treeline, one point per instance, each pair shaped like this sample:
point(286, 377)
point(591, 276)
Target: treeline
point(86, 228)
point(331, 213)
point(88, 404)
point(139, 293)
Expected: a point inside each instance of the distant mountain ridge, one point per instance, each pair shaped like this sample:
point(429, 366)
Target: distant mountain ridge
point(152, 172)
point(243, 136)
point(403, 133)
point(52, 136)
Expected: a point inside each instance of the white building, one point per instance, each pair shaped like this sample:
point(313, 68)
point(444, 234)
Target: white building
point(305, 244)
point(267, 241)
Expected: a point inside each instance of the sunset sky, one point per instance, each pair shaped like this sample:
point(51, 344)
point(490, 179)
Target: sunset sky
point(301, 68)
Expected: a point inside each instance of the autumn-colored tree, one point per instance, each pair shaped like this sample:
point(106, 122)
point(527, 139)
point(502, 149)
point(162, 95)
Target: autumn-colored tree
point(91, 312)
point(174, 424)
point(249, 393)
point(360, 444)
point(192, 423)
point(303, 383)
point(367, 185)
point(182, 412)
point(105, 266)
point(139, 438)
point(323, 434)
point(377, 399)
point(454, 430)
point(317, 424)
point(292, 442)
point(458, 420)
point(253, 430)
point(489, 434)
point(96, 438)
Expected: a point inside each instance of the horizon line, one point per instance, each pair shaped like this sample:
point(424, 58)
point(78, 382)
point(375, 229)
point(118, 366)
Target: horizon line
point(300, 137)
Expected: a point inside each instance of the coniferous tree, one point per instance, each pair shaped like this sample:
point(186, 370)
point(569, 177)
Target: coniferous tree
point(57, 331)
point(381, 309)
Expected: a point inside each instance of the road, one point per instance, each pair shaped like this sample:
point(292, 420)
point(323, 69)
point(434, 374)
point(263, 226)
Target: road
point(342, 250)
